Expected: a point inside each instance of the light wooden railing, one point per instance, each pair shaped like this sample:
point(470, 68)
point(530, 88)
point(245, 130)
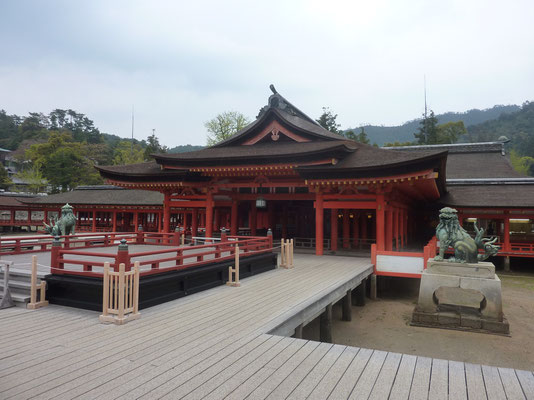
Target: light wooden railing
point(286, 254)
point(34, 304)
point(233, 273)
point(6, 301)
point(121, 295)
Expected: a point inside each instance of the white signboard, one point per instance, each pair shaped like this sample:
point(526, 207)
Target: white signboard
point(400, 265)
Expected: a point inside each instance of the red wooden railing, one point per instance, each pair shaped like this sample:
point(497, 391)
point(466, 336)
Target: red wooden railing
point(66, 261)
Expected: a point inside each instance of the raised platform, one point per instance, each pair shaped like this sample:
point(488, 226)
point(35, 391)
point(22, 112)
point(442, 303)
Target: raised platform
point(86, 292)
point(215, 344)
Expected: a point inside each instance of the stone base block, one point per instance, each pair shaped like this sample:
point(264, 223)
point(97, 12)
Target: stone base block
point(451, 320)
point(485, 270)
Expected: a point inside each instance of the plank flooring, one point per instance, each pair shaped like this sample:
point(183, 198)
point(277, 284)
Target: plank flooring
point(218, 344)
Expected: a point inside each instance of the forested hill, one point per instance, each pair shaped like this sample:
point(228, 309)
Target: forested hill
point(405, 132)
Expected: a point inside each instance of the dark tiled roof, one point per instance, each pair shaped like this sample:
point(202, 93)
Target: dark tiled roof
point(102, 196)
point(14, 200)
point(480, 165)
point(512, 196)
point(146, 168)
point(268, 151)
point(366, 157)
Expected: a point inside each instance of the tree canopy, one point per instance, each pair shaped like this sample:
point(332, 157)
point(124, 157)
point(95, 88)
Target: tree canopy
point(360, 137)
point(431, 133)
point(225, 125)
point(328, 121)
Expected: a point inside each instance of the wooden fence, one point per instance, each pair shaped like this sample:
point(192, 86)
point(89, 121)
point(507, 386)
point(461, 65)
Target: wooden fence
point(6, 301)
point(233, 272)
point(120, 295)
point(34, 304)
point(286, 253)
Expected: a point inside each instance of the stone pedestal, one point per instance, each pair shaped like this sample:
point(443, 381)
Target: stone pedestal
point(460, 296)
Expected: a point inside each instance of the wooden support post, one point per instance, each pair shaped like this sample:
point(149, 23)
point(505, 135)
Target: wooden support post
point(93, 228)
point(506, 233)
point(34, 304)
point(298, 332)
point(395, 214)
point(253, 218)
point(358, 294)
point(363, 228)
point(380, 223)
point(507, 263)
point(347, 306)
point(372, 282)
point(333, 229)
point(166, 212)
point(234, 272)
point(346, 229)
point(325, 325)
point(319, 224)
point(123, 256)
point(283, 261)
point(194, 222)
point(389, 230)
point(233, 218)
point(209, 214)
point(114, 219)
point(355, 230)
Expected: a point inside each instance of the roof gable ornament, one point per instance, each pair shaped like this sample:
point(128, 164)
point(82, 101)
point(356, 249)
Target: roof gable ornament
point(276, 100)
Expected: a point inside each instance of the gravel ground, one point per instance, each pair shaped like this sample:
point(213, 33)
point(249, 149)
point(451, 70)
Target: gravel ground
point(384, 325)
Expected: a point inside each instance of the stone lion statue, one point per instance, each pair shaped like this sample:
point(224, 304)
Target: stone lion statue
point(451, 234)
point(63, 226)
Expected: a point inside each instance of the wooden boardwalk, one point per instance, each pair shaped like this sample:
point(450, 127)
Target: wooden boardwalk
point(216, 344)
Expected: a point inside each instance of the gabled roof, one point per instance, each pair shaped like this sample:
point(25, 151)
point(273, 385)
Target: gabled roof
point(287, 114)
point(490, 196)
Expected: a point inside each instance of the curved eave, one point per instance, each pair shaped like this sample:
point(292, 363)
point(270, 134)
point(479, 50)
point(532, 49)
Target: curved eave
point(337, 151)
point(160, 176)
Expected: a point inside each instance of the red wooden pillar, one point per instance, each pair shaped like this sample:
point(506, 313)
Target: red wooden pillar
point(166, 212)
point(506, 234)
point(270, 215)
point(346, 229)
point(114, 223)
point(389, 229)
point(380, 223)
point(319, 224)
point(253, 218)
point(194, 222)
point(94, 221)
point(363, 227)
point(209, 214)
point(284, 220)
point(215, 219)
point(333, 229)
point(355, 233)
point(234, 223)
point(401, 227)
point(396, 227)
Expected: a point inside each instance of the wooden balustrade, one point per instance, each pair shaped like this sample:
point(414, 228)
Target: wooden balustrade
point(120, 302)
point(286, 254)
point(6, 301)
point(34, 304)
point(233, 272)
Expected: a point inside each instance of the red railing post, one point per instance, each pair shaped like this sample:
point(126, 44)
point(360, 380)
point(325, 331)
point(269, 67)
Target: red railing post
point(54, 254)
point(123, 256)
point(17, 246)
point(67, 242)
point(176, 236)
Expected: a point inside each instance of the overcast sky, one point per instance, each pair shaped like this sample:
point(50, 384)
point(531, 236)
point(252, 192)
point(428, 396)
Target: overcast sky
point(181, 63)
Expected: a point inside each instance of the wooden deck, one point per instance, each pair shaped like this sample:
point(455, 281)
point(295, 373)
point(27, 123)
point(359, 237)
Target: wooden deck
point(216, 344)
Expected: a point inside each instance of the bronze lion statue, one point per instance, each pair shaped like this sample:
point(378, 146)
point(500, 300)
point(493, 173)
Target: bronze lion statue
point(63, 226)
point(466, 249)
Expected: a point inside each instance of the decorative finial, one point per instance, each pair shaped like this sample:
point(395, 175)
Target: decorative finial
point(271, 86)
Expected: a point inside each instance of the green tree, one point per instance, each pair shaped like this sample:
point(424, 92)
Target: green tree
point(428, 130)
point(127, 152)
point(225, 125)
point(34, 179)
point(153, 147)
point(63, 162)
point(522, 164)
point(450, 132)
point(4, 178)
point(328, 121)
point(360, 137)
